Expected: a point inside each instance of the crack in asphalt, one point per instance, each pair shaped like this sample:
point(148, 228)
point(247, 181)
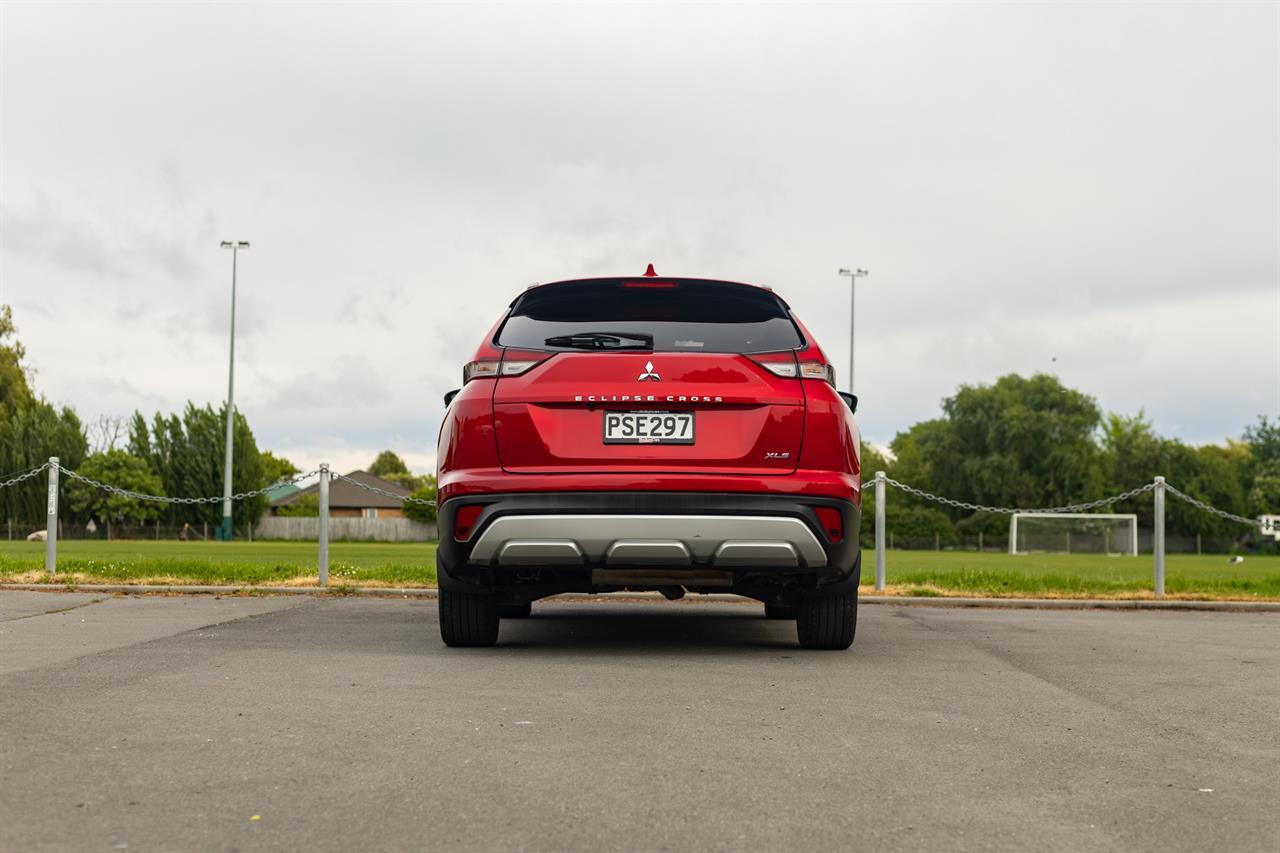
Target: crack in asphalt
point(54, 610)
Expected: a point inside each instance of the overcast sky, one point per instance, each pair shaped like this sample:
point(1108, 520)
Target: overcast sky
point(1087, 189)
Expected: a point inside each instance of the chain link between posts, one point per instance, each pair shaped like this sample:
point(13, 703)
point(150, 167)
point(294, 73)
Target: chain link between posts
point(912, 490)
point(386, 494)
point(13, 481)
point(1081, 507)
point(239, 496)
point(1265, 524)
point(127, 493)
point(952, 502)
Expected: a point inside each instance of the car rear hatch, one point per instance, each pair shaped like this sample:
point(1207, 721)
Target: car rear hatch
point(654, 376)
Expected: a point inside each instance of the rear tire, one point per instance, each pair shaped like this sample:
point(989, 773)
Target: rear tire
point(828, 621)
point(515, 611)
point(468, 619)
point(781, 611)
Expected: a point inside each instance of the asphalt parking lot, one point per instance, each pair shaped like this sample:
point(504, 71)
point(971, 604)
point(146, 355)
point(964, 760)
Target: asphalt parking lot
point(195, 723)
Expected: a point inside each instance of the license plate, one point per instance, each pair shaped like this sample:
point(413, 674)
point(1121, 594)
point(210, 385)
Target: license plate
point(648, 427)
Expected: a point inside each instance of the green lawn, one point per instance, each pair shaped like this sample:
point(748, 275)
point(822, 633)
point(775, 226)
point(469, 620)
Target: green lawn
point(398, 564)
point(1074, 575)
point(908, 572)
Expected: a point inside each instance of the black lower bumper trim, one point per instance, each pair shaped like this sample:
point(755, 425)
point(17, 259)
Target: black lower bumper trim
point(455, 571)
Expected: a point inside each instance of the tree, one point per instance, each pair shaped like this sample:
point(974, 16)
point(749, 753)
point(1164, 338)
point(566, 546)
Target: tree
point(117, 468)
point(15, 386)
point(1211, 473)
point(31, 430)
point(1132, 452)
point(412, 482)
point(914, 453)
point(276, 468)
point(872, 460)
point(427, 492)
point(1263, 439)
point(1019, 442)
point(29, 435)
point(186, 453)
point(105, 432)
point(388, 463)
point(1264, 496)
point(1133, 455)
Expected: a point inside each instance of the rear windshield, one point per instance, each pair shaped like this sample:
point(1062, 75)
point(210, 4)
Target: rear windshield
point(678, 316)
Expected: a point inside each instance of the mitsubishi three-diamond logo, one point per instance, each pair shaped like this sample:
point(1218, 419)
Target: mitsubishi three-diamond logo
point(649, 374)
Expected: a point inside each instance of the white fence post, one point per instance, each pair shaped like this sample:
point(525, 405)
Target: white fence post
point(880, 531)
point(1157, 537)
point(324, 525)
point(51, 524)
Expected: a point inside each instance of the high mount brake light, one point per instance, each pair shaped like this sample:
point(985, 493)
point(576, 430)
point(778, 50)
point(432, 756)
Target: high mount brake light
point(651, 285)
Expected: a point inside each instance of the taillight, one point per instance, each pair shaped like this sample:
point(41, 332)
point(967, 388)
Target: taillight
point(479, 370)
point(507, 366)
point(464, 521)
point(818, 370)
point(832, 522)
point(785, 364)
point(515, 368)
point(777, 363)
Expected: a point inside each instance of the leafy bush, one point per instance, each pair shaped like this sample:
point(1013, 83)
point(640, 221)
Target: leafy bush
point(419, 512)
point(119, 469)
point(306, 506)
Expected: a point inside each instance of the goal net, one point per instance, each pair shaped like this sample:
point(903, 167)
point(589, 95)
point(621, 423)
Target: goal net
point(1073, 533)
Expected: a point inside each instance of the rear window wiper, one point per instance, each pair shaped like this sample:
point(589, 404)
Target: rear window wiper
point(602, 340)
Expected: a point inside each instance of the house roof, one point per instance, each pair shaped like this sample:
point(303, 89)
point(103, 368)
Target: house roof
point(346, 495)
point(281, 490)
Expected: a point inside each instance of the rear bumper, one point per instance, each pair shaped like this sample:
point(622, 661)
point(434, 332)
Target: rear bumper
point(591, 540)
point(619, 540)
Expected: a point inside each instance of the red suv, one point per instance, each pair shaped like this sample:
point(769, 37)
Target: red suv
point(649, 433)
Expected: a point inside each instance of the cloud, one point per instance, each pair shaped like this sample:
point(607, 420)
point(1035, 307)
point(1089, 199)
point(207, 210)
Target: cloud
point(351, 381)
point(1095, 183)
point(105, 242)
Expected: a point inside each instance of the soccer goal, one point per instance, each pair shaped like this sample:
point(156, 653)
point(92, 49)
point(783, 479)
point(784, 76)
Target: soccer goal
point(1073, 533)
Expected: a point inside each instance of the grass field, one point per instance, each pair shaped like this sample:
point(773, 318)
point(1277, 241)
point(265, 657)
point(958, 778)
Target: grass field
point(909, 573)
point(141, 561)
point(376, 564)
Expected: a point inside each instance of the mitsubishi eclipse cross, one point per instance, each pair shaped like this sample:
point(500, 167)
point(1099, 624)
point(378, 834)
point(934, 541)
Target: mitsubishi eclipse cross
point(649, 433)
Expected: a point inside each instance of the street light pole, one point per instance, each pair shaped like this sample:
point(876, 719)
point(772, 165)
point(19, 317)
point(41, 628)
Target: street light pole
point(225, 532)
point(854, 275)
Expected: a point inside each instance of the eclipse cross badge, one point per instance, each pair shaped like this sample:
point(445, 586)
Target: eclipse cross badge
point(649, 374)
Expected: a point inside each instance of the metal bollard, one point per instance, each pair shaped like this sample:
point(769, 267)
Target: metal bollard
point(324, 526)
point(51, 523)
point(880, 531)
point(1157, 537)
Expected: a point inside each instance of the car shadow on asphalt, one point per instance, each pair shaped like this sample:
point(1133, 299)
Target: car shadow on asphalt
point(645, 628)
